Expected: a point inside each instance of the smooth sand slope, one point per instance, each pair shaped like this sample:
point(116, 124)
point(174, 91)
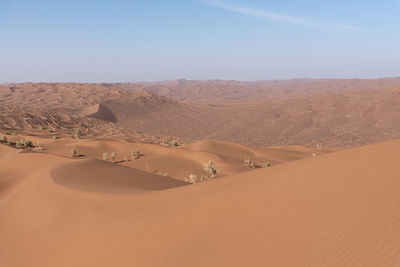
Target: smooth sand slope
point(338, 209)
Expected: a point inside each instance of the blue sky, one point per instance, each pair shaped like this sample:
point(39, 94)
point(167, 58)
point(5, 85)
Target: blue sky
point(110, 41)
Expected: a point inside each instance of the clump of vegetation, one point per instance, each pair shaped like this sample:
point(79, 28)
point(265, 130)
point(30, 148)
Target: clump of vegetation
point(174, 143)
point(78, 133)
point(56, 137)
point(135, 154)
point(7, 133)
point(50, 130)
point(14, 134)
point(211, 169)
point(249, 163)
point(3, 139)
point(73, 152)
point(112, 157)
point(105, 156)
point(166, 143)
point(42, 128)
point(27, 143)
point(267, 164)
point(192, 178)
point(23, 143)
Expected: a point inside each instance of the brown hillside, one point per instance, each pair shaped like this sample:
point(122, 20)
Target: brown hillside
point(327, 113)
point(219, 91)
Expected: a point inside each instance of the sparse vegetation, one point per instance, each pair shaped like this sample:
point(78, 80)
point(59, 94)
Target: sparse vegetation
point(56, 137)
point(211, 169)
point(193, 178)
point(73, 152)
point(249, 163)
point(50, 130)
point(112, 157)
point(135, 154)
point(267, 164)
point(23, 143)
point(105, 156)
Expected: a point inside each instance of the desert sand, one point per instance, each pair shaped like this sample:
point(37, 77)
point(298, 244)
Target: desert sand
point(335, 209)
point(300, 202)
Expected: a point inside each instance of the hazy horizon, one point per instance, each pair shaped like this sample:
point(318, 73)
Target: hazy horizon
point(133, 41)
point(204, 80)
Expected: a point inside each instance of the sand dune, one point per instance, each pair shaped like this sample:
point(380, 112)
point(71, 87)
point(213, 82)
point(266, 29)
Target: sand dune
point(100, 176)
point(99, 111)
point(338, 209)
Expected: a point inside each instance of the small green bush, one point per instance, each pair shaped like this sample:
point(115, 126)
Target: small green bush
point(23, 143)
point(211, 169)
point(267, 164)
point(174, 143)
point(135, 154)
point(249, 163)
point(27, 143)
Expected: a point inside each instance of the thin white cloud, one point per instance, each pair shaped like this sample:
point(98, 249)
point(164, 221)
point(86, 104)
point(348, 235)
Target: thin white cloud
point(278, 17)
